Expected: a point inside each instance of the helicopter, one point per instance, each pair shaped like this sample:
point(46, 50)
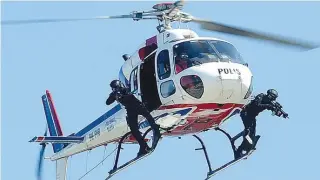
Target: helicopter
point(211, 84)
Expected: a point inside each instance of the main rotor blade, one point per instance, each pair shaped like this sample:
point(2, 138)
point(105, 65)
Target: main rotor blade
point(213, 26)
point(16, 22)
point(177, 6)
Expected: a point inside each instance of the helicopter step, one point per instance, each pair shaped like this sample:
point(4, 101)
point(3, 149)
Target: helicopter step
point(117, 169)
point(236, 159)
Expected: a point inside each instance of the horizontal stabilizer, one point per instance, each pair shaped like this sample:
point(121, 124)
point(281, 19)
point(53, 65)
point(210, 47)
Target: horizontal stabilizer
point(57, 139)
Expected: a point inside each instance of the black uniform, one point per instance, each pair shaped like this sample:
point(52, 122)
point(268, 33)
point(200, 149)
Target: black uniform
point(248, 115)
point(134, 108)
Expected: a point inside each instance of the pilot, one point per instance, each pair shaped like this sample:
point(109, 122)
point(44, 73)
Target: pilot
point(248, 115)
point(182, 62)
point(134, 108)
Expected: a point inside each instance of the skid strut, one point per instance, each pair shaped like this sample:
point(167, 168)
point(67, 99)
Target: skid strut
point(203, 147)
point(119, 148)
point(232, 140)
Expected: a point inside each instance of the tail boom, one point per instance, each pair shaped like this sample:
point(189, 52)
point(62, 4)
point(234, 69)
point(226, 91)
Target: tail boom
point(57, 139)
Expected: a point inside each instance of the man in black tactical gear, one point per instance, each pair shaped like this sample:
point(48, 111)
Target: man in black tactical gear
point(134, 108)
point(248, 115)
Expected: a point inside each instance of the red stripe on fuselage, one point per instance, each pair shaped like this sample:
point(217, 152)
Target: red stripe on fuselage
point(194, 122)
point(40, 139)
point(212, 115)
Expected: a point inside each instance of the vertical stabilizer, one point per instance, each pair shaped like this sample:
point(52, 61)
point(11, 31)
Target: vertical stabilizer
point(54, 114)
point(52, 121)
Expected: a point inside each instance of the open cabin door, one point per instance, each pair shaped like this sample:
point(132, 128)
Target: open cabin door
point(143, 84)
point(148, 83)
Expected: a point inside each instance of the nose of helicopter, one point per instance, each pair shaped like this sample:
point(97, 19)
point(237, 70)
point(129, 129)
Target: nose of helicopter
point(221, 82)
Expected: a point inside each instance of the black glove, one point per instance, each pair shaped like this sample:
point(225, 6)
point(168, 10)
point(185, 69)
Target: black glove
point(285, 115)
point(272, 108)
point(281, 113)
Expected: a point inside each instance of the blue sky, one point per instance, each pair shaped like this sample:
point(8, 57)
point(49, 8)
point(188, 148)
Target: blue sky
point(76, 61)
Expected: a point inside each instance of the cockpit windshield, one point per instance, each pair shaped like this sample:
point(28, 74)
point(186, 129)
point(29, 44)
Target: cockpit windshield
point(196, 52)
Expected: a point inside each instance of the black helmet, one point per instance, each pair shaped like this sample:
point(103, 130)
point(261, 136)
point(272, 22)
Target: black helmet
point(272, 94)
point(115, 84)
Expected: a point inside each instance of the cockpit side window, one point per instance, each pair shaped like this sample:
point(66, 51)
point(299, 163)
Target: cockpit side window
point(163, 64)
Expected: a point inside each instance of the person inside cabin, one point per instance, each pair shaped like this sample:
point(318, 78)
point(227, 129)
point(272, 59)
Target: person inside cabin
point(134, 108)
point(181, 62)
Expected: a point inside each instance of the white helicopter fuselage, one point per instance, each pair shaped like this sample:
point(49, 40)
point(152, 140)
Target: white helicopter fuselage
point(189, 84)
point(190, 100)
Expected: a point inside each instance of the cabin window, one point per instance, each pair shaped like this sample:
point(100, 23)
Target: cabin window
point(134, 80)
point(163, 63)
point(167, 88)
point(193, 85)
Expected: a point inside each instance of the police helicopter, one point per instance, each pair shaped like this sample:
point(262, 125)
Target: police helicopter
point(189, 83)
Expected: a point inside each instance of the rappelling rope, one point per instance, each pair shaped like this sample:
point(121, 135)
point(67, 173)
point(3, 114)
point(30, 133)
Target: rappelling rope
point(104, 153)
point(87, 161)
point(98, 164)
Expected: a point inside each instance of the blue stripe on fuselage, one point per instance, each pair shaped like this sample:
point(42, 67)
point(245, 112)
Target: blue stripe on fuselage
point(115, 109)
point(48, 114)
point(99, 120)
point(63, 138)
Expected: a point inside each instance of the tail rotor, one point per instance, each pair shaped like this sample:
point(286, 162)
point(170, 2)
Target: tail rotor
point(40, 160)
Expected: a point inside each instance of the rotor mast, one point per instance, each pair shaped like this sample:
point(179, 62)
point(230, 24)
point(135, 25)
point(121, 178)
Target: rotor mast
point(165, 13)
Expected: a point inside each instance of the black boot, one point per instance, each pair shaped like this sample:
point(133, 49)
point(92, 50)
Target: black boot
point(156, 135)
point(143, 150)
point(238, 153)
point(245, 146)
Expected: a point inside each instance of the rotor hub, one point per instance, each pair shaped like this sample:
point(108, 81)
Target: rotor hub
point(163, 6)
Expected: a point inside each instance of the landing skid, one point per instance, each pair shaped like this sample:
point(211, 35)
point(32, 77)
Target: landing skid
point(117, 169)
point(232, 140)
point(131, 162)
